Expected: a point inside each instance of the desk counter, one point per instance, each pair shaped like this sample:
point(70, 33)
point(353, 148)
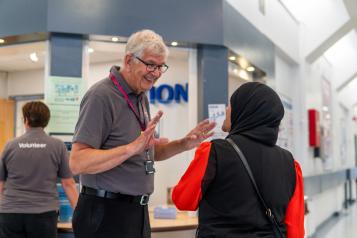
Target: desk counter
point(182, 222)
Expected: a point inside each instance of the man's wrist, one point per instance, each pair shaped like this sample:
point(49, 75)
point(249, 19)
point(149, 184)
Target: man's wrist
point(130, 149)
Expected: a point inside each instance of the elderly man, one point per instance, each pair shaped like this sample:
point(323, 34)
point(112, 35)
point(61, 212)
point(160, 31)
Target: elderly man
point(114, 144)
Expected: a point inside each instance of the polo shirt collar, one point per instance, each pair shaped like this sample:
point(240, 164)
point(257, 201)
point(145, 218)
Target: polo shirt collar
point(115, 71)
point(32, 130)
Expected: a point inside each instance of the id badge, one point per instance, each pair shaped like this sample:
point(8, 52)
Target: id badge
point(149, 166)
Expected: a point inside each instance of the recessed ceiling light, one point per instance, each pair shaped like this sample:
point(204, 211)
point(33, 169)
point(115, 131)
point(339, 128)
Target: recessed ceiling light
point(115, 39)
point(243, 63)
point(2, 41)
point(174, 43)
point(33, 57)
point(250, 69)
point(90, 50)
point(232, 58)
point(325, 108)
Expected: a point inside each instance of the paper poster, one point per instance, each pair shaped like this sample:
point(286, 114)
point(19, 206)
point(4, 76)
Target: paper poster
point(63, 96)
point(217, 113)
point(326, 125)
point(286, 129)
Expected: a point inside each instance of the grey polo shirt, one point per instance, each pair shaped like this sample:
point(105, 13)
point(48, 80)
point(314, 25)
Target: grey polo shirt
point(30, 166)
point(106, 121)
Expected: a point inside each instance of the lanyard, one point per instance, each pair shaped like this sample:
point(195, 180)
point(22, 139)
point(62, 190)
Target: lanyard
point(116, 83)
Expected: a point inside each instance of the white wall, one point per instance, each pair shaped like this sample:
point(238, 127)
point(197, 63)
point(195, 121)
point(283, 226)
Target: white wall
point(287, 84)
point(98, 72)
point(323, 206)
point(314, 75)
point(25, 82)
point(3, 85)
point(303, 84)
point(344, 148)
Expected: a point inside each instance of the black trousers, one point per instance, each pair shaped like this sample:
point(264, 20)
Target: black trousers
point(96, 217)
point(20, 225)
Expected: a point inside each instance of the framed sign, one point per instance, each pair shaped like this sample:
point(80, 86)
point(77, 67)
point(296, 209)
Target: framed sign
point(63, 96)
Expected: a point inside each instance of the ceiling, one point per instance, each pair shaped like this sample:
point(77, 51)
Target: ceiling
point(330, 32)
point(17, 57)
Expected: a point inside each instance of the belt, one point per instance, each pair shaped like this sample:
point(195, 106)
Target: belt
point(141, 199)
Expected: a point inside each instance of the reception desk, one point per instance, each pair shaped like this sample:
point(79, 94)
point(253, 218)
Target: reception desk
point(183, 222)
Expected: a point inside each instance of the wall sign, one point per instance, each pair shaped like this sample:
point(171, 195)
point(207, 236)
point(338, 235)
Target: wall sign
point(166, 93)
point(286, 128)
point(63, 96)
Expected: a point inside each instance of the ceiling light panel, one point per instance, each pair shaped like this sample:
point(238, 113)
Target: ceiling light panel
point(34, 57)
point(343, 56)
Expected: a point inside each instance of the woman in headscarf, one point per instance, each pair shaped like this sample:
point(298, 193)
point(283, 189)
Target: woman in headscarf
point(218, 184)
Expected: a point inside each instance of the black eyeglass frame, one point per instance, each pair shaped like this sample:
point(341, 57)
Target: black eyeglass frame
point(152, 67)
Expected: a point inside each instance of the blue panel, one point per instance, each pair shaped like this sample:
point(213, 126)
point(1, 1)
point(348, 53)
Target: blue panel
point(190, 21)
point(19, 17)
point(212, 77)
point(244, 39)
point(66, 55)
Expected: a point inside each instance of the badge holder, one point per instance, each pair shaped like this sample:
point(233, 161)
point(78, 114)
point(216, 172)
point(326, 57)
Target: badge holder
point(149, 167)
point(149, 164)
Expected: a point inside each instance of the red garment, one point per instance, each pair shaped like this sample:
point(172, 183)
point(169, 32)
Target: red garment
point(187, 194)
point(294, 217)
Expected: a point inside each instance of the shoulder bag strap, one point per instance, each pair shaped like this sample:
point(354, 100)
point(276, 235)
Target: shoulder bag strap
point(268, 211)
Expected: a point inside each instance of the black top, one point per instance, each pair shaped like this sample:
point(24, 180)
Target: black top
point(230, 206)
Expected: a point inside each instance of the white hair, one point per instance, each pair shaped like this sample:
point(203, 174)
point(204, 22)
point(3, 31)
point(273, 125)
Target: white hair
point(143, 40)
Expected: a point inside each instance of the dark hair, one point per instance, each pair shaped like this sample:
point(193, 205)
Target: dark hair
point(36, 113)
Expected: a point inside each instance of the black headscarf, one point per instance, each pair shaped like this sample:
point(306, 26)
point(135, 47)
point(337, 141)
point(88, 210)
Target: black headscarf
point(256, 113)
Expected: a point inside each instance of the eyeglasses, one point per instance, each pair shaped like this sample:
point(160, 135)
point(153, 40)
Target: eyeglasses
point(152, 67)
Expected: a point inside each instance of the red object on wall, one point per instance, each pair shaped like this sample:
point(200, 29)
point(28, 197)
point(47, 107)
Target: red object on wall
point(314, 128)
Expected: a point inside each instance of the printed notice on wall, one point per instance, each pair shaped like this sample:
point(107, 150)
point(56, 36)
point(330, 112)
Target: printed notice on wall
point(63, 96)
point(286, 128)
point(217, 113)
point(326, 149)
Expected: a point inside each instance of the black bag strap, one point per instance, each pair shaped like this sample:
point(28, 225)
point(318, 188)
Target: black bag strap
point(268, 211)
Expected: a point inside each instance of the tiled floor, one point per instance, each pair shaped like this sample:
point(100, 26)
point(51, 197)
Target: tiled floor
point(346, 226)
